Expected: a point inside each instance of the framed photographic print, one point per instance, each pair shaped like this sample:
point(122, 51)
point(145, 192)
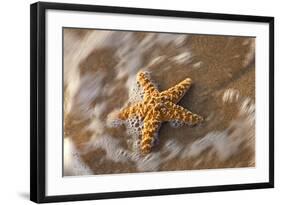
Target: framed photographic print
point(129, 102)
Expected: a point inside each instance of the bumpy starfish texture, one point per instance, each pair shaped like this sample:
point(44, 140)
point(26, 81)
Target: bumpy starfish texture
point(158, 107)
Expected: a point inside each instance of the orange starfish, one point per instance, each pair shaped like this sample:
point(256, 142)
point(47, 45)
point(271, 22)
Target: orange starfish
point(158, 107)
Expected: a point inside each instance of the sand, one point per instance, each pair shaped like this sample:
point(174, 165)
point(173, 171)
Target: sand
point(99, 75)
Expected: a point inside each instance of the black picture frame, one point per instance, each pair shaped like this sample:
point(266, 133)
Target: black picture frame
point(38, 101)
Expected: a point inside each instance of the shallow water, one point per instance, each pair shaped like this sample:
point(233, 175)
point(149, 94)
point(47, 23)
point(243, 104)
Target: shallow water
point(100, 70)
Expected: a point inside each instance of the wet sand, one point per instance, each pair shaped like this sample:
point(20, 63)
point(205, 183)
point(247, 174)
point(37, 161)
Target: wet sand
point(99, 75)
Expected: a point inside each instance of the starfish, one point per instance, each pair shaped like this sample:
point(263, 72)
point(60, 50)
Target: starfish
point(158, 107)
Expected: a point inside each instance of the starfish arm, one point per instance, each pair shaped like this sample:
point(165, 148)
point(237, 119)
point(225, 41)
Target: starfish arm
point(148, 87)
point(176, 92)
point(176, 112)
point(149, 132)
point(137, 109)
